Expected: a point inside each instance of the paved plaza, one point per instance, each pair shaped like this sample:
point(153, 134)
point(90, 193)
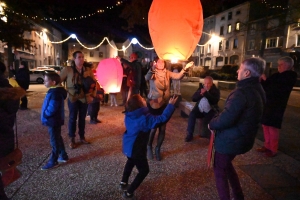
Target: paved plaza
point(94, 171)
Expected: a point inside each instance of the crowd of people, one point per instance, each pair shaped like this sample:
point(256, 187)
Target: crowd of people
point(149, 104)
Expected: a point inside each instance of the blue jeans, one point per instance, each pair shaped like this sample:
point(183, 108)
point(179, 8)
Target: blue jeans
point(57, 144)
point(77, 108)
point(93, 109)
point(224, 173)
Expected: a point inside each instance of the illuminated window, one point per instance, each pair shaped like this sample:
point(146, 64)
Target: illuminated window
point(237, 26)
point(229, 28)
point(209, 48)
point(271, 43)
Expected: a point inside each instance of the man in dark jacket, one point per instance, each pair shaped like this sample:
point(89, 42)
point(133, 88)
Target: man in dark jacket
point(212, 94)
point(23, 79)
point(136, 68)
point(9, 105)
point(278, 88)
point(237, 125)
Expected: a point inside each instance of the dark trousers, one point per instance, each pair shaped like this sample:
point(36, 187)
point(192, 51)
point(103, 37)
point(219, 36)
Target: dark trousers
point(80, 109)
point(2, 192)
point(143, 170)
point(57, 144)
point(24, 102)
point(160, 137)
point(195, 113)
point(93, 109)
point(224, 173)
point(124, 96)
point(143, 89)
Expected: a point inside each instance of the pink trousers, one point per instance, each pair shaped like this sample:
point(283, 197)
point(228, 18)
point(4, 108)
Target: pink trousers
point(271, 135)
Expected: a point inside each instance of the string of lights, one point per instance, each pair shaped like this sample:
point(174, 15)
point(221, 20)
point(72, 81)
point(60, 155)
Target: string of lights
point(272, 6)
point(99, 11)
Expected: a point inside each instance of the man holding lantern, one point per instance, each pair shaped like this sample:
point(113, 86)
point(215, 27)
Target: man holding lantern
point(158, 97)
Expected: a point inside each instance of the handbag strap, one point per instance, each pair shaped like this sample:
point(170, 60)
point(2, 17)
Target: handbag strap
point(16, 130)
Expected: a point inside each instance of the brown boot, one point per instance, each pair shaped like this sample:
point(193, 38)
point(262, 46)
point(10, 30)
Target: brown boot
point(72, 144)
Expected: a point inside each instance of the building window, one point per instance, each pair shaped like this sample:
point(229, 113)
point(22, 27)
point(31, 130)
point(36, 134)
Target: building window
point(226, 60)
point(271, 43)
point(298, 40)
point(235, 43)
point(227, 44)
point(237, 26)
point(220, 45)
point(209, 48)
point(229, 28)
point(91, 54)
point(222, 30)
point(252, 29)
point(100, 54)
point(238, 12)
point(201, 49)
point(229, 15)
point(222, 18)
point(251, 45)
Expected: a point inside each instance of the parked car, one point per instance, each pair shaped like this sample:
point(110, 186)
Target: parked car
point(37, 75)
point(55, 67)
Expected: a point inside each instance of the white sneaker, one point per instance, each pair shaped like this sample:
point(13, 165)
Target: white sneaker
point(116, 105)
point(111, 104)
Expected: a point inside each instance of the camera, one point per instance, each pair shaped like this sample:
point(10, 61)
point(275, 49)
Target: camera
point(77, 88)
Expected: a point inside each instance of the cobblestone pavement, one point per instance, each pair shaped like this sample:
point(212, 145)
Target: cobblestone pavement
point(95, 170)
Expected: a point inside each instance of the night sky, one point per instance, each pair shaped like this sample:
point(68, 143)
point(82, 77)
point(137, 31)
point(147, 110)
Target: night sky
point(94, 28)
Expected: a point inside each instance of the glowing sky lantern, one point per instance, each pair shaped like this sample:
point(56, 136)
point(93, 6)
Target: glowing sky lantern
point(110, 74)
point(175, 27)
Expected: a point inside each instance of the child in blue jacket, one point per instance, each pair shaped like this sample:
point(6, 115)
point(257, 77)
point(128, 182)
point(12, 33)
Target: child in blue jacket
point(53, 116)
point(139, 122)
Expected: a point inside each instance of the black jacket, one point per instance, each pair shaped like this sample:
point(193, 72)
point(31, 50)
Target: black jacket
point(213, 96)
point(9, 105)
point(136, 68)
point(278, 88)
point(237, 125)
point(22, 77)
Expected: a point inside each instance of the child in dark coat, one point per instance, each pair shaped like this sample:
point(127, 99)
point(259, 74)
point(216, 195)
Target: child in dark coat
point(53, 116)
point(139, 122)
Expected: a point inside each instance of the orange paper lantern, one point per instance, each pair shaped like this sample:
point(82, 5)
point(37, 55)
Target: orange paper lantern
point(110, 74)
point(175, 27)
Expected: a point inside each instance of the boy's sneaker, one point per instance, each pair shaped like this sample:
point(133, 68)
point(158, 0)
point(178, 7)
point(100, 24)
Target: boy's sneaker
point(49, 165)
point(123, 186)
point(126, 195)
point(62, 160)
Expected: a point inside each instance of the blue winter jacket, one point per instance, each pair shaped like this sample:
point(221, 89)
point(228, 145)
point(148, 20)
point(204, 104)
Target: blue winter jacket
point(138, 125)
point(237, 125)
point(53, 112)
